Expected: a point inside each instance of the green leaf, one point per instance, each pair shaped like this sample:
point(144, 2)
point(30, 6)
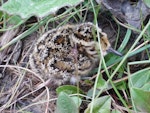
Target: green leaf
point(77, 100)
point(15, 20)
point(65, 104)
point(39, 8)
point(121, 85)
point(100, 85)
point(140, 78)
point(69, 89)
point(139, 84)
point(100, 105)
point(147, 2)
point(101, 82)
point(90, 92)
point(141, 99)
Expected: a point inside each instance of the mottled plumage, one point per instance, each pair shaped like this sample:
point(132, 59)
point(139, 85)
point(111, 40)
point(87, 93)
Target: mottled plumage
point(68, 52)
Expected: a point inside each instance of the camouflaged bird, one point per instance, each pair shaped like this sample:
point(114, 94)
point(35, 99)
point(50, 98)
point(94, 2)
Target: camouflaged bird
point(69, 52)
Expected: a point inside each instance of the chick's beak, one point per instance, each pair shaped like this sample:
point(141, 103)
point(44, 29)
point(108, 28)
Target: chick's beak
point(111, 50)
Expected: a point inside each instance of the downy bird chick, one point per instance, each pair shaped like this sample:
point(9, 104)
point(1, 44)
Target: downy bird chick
point(69, 52)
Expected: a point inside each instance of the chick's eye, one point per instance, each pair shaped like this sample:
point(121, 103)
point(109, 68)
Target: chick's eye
point(105, 44)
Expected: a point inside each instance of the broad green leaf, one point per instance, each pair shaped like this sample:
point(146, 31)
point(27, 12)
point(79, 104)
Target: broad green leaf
point(90, 92)
point(121, 85)
point(140, 78)
point(69, 89)
point(77, 100)
point(100, 85)
point(139, 84)
point(15, 20)
point(147, 2)
point(141, 99)
point(146, 87)
point(65, 104)
point(39, 8)
point(101, 82)
point(100, 105)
